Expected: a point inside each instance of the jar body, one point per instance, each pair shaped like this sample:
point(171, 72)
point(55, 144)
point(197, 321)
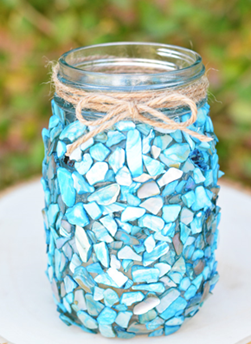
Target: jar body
point(131, 224)
point(159, 231)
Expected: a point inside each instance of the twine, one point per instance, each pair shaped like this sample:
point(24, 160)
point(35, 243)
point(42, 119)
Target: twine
point(141, 106)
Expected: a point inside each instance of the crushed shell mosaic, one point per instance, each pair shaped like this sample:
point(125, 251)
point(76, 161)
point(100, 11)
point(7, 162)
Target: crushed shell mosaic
point(131, 225)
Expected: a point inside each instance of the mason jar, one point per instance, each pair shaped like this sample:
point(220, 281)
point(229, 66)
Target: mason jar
point(130, 215)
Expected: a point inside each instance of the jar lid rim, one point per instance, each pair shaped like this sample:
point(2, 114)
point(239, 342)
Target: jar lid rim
point(177, 66)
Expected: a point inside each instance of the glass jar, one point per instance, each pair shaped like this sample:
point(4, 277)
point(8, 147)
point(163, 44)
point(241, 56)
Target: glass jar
point(130, 216)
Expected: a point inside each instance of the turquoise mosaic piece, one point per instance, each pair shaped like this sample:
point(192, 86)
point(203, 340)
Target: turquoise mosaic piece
point(131, 224)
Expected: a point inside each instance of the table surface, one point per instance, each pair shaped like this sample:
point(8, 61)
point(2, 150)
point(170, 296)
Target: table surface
point(28, 314)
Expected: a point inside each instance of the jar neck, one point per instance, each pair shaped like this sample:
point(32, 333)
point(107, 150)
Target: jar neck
point(128, 66)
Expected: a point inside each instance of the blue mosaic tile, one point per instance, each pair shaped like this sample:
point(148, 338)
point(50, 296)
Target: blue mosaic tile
point(99, 152)
point(107, 316)
point(69, 284)
point(75, 262)
point(163, 268)
point(184, 284)
point(83, 244)
point(146, 143)
point(171, 212)
point(83, 166)
point(93, 210)
point(98, 293)
point(171, 329)
point(184, 233)
point(178, 152)
point(105, 279)
point(130, 225)
point(134, 153)
point(110, 297)
point(97, 173)
point(84, 279)
point(155, 323)
point(128, 253)
point(155, 223)
point(80, 184)
point(107, 331)
point(154, 167)
point(101, 233)
point(110, 224)
point(114, 137)
point(118, 277)
point(106, 195)
point(159, 250)
point(175, 308)
point(52, 214)
point(53, 122)
point(116, 159)
point(149, 243)
point(130, 298)
point(132, 214)
point(87, 320)
point(171, 175)
point(93, 307)
point(66, 304)
point(61, 149)
point(94, 268)
point(156, 333)
point(141, 274)
point(69, 193)
point(132, 200)
point(145, 315)
point(102, 253)
point(125, 125)
point(72, 131)
point(123, 318)
point(189, 198)
point(76, 215)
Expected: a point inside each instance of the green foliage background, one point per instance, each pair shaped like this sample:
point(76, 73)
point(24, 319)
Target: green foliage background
point(35, 31)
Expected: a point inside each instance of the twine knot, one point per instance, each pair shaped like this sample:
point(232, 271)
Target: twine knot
point(133, 110)
point(140, 106)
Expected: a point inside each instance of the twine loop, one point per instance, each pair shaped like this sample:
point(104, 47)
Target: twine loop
point(138, 106)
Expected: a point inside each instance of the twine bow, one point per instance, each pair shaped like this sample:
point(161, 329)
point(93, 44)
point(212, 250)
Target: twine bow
point(119, 109)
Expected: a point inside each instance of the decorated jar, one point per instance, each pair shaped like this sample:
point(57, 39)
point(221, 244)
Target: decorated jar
point(130, 182)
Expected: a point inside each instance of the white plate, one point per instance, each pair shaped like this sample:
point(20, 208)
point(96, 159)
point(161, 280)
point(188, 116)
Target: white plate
point(28, 314)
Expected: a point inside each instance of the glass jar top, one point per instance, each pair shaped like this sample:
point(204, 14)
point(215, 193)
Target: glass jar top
point(127, 66)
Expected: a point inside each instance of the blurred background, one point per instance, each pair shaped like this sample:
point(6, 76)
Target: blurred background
point(32, 32)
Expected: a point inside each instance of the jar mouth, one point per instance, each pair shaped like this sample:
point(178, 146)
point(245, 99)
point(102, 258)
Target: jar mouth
point(130, 66)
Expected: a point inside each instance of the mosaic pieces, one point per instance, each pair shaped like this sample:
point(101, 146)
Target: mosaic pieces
point(131, 225)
